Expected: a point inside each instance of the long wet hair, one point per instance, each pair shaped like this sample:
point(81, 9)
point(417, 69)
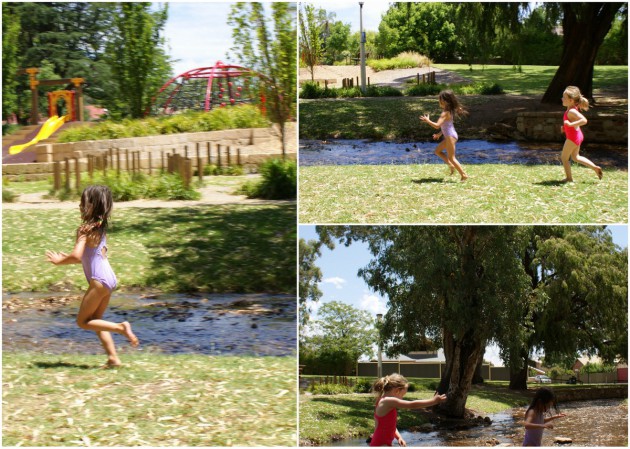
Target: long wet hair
point(544, 400)
point(452, 103)
point(574, 94)
point(96, 207)
point(392, 382)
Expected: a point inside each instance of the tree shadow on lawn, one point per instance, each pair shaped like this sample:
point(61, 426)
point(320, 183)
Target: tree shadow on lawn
point(220, 249)
point(550, 183)
point(354, 408)
point(49, 365)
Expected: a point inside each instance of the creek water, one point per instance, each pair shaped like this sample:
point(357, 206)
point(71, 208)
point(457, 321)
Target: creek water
point(602, 422)
point(365, 152)
point(252, 324)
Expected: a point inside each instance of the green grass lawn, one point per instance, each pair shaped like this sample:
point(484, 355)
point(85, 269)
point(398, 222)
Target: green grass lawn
point(493, 194)
point(533, 80)
point(154, 400)
point(230, 248)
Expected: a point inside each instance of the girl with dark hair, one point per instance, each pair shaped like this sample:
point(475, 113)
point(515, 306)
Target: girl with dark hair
point(91, 251)
point(535, 420)
point(446, 148)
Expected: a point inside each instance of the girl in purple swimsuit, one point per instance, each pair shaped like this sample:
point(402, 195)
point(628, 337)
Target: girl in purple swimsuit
point(535, 421)
point(573, 120)
point(446, 148)
point(91, 251)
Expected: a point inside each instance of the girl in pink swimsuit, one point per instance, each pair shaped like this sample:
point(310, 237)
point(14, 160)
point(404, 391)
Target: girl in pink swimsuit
point(446, 148)
point(573, 119)
point(390, 391)
point(91, 251)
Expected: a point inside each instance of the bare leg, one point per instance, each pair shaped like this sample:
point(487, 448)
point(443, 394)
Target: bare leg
point(440, 152)
point(567, 150)
point(92, 308)
point(575, 155)
point(450, 150)
point(106, 337)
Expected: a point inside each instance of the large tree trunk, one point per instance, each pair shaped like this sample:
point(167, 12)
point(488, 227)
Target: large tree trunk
point(585, 26)
point(478, 376)
point(518, 379)
point(462, 355)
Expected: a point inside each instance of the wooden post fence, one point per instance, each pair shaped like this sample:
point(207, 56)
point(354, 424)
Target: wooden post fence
point(57, 176)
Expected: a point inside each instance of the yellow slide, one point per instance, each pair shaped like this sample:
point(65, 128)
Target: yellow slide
point(48, 128)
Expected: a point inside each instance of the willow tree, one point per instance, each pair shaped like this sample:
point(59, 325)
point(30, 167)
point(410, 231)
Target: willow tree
point(463, 285)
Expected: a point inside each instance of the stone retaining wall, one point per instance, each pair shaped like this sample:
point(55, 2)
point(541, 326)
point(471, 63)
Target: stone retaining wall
point(249, 147)
point(545, 127)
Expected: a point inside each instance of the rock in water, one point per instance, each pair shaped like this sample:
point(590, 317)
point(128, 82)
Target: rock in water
point(562, 440)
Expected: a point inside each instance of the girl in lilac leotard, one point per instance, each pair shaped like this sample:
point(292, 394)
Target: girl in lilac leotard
point(446, 148)
point(573, 120)
point(535, 420)
point(90, 250)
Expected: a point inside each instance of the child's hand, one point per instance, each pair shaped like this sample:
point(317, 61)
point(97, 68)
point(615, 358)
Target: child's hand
point(548, 426)
point(402, 442)
point(560, 415)
point(567, 123)
point(562, 129)
point(54, 257)
point(439, 398)
point(437, 136)
point(425, 118)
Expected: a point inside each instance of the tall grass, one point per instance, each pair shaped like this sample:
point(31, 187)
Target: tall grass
point(245, 116)
point(279, 181)
point(405, 60)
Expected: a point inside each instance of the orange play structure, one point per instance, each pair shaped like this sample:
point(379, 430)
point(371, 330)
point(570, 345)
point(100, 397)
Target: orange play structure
point(71, 99)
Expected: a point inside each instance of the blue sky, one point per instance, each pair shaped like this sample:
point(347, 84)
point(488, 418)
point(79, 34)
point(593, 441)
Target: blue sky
point(198, 34)
point(349, 12)
point(341, 283)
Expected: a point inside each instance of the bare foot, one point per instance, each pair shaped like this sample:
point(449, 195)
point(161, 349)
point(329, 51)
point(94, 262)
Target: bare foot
point(464, 177)
point(565, 180)
point(112, 364)
point(133, 340)
point(600, 173)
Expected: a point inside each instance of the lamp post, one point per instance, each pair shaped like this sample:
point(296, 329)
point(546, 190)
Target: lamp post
point(379, 321)
point(362, 51)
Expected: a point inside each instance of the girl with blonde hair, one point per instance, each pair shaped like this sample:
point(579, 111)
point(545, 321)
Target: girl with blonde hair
point(389, 398)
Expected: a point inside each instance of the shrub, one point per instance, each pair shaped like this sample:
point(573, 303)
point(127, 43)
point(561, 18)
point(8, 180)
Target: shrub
point(423, 90)
point(279, 181)
point(244, 116)
point(405, 60)
point(479, 89)
point(363, 386)
point(329, 389)
point(214, 170)
point(8, 196)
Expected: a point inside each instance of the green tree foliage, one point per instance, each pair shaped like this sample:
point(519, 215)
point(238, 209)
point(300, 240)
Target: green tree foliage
point(583, 296)
point(614, 50)
point(337, 42)
point(463, 285)
point(310, 276)
point(10, 60)
point(311, 42)
point(426, 28)
point(135, 55)
point(267, 43)
point(337, 339)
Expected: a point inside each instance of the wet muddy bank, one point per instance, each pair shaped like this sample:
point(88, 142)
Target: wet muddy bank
point(252, 324)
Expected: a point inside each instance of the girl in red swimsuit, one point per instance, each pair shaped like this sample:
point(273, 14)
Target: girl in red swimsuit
point(390, 390)
point(573, 100)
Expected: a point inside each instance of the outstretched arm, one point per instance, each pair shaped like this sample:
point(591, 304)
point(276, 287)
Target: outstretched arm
point(551, 418)
point(66, 259)
point(400, 440)
point(426, 118)
point(420, 403)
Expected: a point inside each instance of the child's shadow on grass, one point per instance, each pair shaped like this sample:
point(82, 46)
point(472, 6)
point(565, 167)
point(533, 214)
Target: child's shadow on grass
point(427, 180)
point(46, 365)
point(550, 183)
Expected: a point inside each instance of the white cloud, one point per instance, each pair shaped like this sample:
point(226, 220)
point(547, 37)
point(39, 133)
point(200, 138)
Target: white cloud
point(336, 281)
point(373, 304)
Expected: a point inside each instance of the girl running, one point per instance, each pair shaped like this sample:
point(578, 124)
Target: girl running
point(573, 100)
point(446, 148)
point(90, 250)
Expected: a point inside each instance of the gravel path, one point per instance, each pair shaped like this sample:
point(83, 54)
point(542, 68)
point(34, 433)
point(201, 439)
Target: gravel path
point(211, 195)
point(393, 78)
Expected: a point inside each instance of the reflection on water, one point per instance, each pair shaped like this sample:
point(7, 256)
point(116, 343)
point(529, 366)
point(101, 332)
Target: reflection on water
point(215, 324)
point(602, 422)
point(351, 152)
